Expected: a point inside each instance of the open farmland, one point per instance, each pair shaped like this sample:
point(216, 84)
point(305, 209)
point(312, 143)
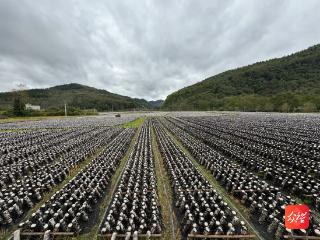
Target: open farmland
point(162, 175)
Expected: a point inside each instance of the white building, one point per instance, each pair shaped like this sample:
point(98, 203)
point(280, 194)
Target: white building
point(32, 107)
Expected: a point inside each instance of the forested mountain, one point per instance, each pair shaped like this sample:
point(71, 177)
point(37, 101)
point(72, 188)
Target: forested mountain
point(75, 95)
point(156, 103)
point(290, 83)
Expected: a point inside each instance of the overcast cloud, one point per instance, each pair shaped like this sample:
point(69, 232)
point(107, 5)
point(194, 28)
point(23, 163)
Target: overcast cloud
point(145, 49)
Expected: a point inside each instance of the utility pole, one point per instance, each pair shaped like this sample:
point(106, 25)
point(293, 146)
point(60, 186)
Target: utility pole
point(65, 109)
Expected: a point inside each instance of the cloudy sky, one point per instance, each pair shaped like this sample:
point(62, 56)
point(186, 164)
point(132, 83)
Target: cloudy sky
point(145, 48)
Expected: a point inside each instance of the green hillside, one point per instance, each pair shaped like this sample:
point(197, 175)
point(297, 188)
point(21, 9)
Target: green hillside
point(290, 83)
point(156, 104)
point(75, 95)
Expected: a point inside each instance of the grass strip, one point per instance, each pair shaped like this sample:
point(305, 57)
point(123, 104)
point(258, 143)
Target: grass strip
point(22, 119)
point(133, 124)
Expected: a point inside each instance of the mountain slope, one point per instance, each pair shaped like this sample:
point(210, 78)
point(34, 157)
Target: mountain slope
point(290, 83)
point(156, 103)
point(75, 95)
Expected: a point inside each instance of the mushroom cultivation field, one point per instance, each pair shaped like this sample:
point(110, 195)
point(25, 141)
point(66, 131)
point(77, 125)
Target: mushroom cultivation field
point(177, 175)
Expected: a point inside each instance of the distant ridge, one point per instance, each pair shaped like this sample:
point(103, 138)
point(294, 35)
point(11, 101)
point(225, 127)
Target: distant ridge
point(76, 95)
point(287, 84)
point(156, 103)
